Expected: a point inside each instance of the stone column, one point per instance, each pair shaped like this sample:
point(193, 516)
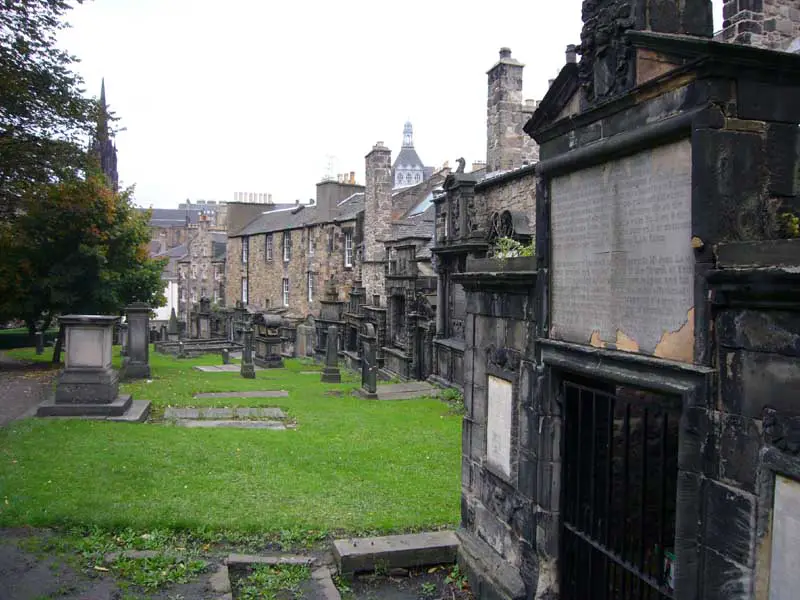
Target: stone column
point(248, 369)
point(441, 302)
point(39, 343)
point(331, 372)
point(137, 364)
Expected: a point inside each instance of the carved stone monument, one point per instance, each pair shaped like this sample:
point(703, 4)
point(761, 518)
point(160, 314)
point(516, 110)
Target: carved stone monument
point(173, 330)
point(369, 363)
point(88, 385)
point(204, 319)
point(137, 359)
point(330, 373)
point(248, 369)
point(164, 335)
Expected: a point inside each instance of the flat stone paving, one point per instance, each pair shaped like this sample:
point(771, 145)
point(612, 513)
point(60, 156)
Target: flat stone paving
point(235, 424)
point(354, 555)
point(405, 391)
point(269, 412)
point(221, 368)
point(251, 394)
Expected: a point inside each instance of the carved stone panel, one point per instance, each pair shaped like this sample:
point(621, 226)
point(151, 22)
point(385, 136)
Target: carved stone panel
point(622, 260)
point(499, 425)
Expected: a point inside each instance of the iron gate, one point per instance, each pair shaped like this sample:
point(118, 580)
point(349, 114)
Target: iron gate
point(620, 486)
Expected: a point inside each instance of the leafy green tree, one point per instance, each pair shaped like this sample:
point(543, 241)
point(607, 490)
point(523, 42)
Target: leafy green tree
point(76, 247)
point(44, 118)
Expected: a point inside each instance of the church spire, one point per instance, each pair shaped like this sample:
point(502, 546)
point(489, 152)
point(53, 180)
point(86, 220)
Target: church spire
point(102, 145)
point(408, 135)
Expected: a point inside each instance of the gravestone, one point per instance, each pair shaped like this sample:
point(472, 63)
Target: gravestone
point(331, 374)
point(226, 357)
point(369, 363)
point(39, 342)
point(248, 369)
point(137, 360)
point(123, 339)
point(173, 329)
point(164, 333)
point(88, 385)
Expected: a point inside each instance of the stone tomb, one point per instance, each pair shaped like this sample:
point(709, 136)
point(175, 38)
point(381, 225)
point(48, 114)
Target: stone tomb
point(89, 386)
point(137, 360)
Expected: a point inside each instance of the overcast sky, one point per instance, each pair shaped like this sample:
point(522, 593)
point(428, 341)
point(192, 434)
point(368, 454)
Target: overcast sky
point(260, 96)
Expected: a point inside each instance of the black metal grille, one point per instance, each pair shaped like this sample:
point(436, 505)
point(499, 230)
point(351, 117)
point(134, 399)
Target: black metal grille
point(620, 485)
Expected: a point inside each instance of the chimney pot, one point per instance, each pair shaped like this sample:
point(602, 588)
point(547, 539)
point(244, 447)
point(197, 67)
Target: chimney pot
point(550, 82)
point(572, 54)
point(505, 52)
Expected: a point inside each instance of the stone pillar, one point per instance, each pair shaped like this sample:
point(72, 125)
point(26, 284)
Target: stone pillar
point(369, 363)
point(164, 333)
point(378, 217)
point(226, 356)
point(137, 363)
point(441, 303)
point(39, 343)
point(88, 385)
point(331, 372)
point(123, 339)
point(173, 330)
point(507, 145)
point(248, 369)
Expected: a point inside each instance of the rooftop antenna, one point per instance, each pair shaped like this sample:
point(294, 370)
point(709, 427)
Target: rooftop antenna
point(329, 169)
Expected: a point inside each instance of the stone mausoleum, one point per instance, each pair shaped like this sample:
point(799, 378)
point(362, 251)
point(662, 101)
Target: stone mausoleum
point(633, 419)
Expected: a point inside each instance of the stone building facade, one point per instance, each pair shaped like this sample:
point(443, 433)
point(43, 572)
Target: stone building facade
point(201, 270)
point(632, 424)
point(772, 24)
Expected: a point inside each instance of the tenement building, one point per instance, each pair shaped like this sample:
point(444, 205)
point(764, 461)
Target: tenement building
point(201, 269)
point(632, 424)
point(478, 207)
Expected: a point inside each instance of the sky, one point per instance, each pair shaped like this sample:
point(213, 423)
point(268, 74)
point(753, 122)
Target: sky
point(270, 97)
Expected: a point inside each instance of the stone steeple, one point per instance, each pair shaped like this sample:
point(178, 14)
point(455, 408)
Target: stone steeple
point(103, 146)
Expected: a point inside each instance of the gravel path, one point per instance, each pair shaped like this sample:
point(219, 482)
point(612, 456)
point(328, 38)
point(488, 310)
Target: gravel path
point(23, 385)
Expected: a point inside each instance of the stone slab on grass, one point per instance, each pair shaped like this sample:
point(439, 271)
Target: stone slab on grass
point(246, 560)
point(234, 424)
point(250, 394)
point(241, 412)
point(221, 368)
point(355, 555)
point(406, 391)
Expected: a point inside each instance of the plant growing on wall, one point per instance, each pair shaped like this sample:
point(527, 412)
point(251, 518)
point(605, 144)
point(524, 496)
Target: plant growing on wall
point(506, 247)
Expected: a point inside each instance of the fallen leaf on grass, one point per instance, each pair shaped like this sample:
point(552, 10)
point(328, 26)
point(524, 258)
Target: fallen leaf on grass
point(99, 568)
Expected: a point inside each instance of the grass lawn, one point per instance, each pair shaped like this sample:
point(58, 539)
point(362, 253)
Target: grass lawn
point(351, 465)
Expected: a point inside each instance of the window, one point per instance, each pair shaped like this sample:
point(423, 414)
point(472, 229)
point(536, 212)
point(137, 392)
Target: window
point(285, 292)
point(287, 246)
point(245, 249)
point(348, 249)
point(417, 177)
point(310, 286)
point(244, 290)
point(268, 251)
point(310, 245)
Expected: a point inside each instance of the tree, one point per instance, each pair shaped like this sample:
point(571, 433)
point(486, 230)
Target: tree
point(44, 118)
point(76, 247)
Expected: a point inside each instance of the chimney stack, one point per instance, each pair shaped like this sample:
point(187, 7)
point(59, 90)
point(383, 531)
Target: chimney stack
point(378, 216)
point(572, 54)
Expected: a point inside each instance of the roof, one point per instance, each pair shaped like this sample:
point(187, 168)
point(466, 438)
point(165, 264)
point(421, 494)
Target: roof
point(496, 177)
point(172, 217)
point(408, 157)
point(302, 215)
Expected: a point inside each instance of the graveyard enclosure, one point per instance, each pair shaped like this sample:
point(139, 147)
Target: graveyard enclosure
point(631, 390)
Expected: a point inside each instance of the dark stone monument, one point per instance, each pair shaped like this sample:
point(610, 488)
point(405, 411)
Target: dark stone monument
point(248, 370)
point(88, 385)
point(164, 333)
point(267, 340)
point(330, 373)
point(137, 360)
point(173, 329)
point(204, 319)
point(369, 363)
point(39, 343)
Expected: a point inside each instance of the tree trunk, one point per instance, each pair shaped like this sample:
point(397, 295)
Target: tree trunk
point(58, 345)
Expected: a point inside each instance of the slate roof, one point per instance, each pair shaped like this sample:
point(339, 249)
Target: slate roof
point(301, 216)
point(172, 217)
point(408, 157)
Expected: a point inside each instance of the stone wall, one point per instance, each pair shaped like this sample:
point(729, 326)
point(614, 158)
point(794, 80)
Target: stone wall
point(515, 191)
point(265, 277)
point(772, 24)
point(200, 274)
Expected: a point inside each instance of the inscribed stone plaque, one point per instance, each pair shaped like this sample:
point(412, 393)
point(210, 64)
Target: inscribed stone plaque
point(622, 261)
point(498, 426)
point(784, 573)
point(86, 348)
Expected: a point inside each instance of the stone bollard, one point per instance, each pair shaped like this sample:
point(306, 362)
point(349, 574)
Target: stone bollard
point(331, 374)
point(226, 356)
point(181, 350)
point(248, 369)
point(164, 333)
point(39, 343)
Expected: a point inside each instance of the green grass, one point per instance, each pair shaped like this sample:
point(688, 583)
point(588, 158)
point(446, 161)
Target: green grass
point(351, 465)
point(266, 581)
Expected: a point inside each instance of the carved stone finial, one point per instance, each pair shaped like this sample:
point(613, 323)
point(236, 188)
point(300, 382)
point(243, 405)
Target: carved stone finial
point(461, 164)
